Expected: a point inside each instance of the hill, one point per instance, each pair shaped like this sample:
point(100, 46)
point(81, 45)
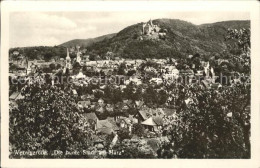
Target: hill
point(182, 38)
point(86, 42)
point(234, 24)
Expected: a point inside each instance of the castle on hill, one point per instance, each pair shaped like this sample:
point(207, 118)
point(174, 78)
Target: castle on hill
point(153, 30)
point(149, 28)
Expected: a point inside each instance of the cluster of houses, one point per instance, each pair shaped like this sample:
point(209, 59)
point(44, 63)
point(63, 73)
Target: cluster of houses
point(151, 118)
point(154, 120)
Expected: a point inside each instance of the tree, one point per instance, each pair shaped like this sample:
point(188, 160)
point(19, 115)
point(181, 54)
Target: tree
point(52, 66)
point(138, 129)
point(138, 150)
point(116, 95)
point(131, 73)
point(13, 67)
point(135, 36)
point(46, 69)
point(165, 151)
point(47, 119)
point(48, 56)
point(98, 94)
point(217, 123)
point(76, 65)
point(121, 69)
point(129, 92)
point(242, 44)
point(204, 129)
point(123, 133)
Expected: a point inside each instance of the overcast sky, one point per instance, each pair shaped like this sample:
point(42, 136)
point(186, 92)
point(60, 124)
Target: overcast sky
point(54, 28)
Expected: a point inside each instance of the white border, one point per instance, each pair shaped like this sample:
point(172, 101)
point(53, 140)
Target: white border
point(252, 7)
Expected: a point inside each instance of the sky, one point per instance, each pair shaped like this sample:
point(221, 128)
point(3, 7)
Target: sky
point(54, 28)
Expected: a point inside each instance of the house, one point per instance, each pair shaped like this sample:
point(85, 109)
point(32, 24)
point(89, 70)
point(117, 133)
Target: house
point(102, 87)
point(127, 82)
point(91, 63)
point(92, 119)
point(117, 58)
point(98, 142)
point(98, 108)
point(91, 116)
point(149, 124)
point(215, 86)
point(199, 73)
point(122, 87)
point(168, 111)
point(16, 53)
point(20, 71)
point(75, 93)
point(100, 101)
point(142, 115)
point(84, 104)
point(109, 108)
point(105, 127)
point(151, 117)
point(188, 101)
point(124, 122)
point(87, 97)
point(139, 104)
point(80, 75)
point(154, 122)
point(129, 103)
point(16, 96)
point(123, 107)
point(135, 80)
point(113, 122)
point(156, 80)
point(186, 72)
point(13, 105)
point(205, 83)
point(159, 122)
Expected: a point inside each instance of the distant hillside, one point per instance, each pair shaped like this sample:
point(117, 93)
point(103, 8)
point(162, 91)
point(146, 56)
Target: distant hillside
point(86, 42)
point(234, 24)
point(182, 38)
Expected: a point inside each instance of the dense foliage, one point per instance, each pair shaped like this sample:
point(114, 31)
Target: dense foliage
point(204, 129)
point(41, 52)
point(216, 124)
point(46, 119)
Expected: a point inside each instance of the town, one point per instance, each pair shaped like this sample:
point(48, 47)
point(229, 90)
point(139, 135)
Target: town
point(124, 108)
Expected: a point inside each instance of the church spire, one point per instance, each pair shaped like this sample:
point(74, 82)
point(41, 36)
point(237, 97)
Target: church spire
point(68, 54)
point(68, 60)
point(151, 23)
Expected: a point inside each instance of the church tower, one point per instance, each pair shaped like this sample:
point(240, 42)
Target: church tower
point(78, 59)
point(68, 60)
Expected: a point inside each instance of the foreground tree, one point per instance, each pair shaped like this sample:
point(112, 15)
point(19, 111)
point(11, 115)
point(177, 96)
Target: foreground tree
point(215, 123)
point(47, 119)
